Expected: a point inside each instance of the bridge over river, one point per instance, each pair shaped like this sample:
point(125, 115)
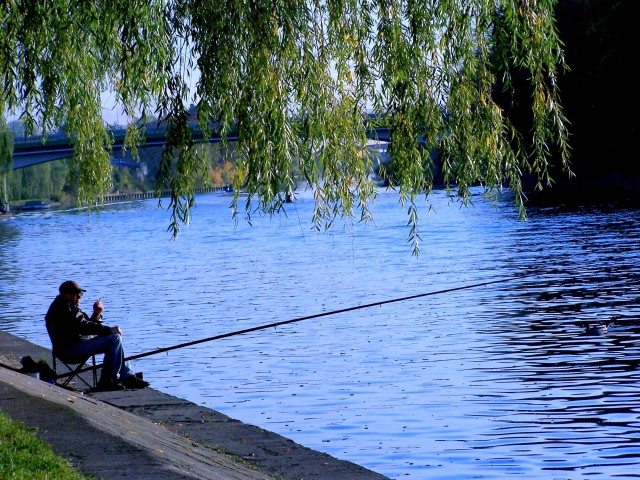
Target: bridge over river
point(33, 150)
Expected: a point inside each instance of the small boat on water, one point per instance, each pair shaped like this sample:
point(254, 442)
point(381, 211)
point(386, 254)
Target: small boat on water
point(35, 205)
point(596, 328)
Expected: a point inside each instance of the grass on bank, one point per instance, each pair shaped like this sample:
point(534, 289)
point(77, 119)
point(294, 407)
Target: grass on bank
point(25, 457)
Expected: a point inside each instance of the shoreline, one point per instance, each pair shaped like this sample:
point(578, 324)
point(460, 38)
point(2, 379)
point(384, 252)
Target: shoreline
point(149, 434)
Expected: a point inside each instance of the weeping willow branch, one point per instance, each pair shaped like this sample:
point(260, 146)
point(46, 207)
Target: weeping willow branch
point(296, 80)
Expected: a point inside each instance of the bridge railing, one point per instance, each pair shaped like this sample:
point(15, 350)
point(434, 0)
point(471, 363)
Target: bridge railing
point(128, 196)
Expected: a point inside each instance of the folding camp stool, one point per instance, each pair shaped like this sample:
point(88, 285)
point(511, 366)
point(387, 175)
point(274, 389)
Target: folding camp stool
point(74, 372)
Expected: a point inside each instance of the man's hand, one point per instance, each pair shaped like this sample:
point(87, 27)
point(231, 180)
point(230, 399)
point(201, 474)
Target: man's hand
point(116, 329)
point(98, 308)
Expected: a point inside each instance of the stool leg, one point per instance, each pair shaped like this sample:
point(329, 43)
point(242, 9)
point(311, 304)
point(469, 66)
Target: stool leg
point(95, 372)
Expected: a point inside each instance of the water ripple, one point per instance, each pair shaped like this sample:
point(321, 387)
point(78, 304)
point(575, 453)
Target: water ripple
point(491, 382)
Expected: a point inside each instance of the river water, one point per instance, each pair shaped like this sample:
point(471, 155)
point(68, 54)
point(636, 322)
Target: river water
point(487, 382)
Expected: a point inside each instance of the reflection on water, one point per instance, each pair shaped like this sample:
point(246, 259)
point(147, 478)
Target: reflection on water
point(487, 382)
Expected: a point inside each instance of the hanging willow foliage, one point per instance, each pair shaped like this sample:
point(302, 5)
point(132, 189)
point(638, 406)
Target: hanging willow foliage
point(6, 162)
point(295, 79)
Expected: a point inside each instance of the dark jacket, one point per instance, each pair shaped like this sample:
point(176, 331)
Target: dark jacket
point(67, 324)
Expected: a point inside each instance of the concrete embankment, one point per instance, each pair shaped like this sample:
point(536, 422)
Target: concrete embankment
point(146, 434)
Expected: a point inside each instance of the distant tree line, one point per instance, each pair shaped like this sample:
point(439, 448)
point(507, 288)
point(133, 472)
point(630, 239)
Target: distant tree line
point(56, 182)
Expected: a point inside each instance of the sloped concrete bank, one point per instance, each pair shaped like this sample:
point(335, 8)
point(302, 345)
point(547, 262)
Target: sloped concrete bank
point(146, 434)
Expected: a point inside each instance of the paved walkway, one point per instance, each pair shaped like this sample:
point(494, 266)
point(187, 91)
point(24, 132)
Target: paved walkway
point(146, 434)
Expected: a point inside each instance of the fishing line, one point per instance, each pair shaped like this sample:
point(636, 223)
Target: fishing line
point(308, 317)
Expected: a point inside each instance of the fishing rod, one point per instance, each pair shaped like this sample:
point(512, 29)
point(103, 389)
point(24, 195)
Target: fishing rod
point(300, 319)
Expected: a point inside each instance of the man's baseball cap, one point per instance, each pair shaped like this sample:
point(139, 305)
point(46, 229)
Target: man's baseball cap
point(71, 287)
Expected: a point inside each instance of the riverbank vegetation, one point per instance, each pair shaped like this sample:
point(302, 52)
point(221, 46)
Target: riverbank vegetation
point(54, 181)
point(23, 455)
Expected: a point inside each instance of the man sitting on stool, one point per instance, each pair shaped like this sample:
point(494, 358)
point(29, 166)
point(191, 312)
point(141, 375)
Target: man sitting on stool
point(75, 334)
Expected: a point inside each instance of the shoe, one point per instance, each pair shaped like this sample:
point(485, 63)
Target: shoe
point(107, 386)
point(132, 381)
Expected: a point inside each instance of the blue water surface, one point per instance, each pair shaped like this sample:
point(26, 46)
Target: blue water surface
point(494, 381)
